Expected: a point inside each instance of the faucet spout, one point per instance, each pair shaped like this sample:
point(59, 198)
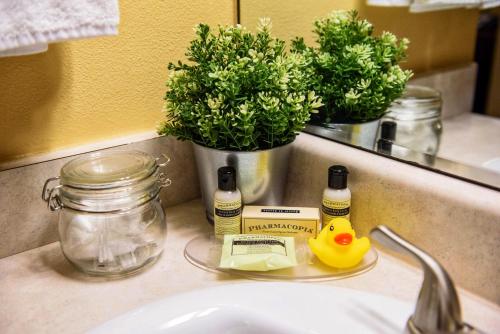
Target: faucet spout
point(438, 306)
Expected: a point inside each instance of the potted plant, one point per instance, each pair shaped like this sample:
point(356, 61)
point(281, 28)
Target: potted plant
point(356, 74)
point(241, 100)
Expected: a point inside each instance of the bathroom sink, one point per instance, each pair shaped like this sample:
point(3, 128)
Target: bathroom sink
point(269, 308)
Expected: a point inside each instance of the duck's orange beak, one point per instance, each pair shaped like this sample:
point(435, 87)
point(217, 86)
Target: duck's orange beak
point(343, 239)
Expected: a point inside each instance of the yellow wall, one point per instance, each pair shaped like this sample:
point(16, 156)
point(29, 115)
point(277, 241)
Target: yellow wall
point(290, 18)
point(89, 90)
point(438, 39)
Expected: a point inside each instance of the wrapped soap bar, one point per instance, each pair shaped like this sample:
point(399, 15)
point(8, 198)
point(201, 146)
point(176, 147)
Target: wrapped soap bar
point(281, 221)
point(254, 252)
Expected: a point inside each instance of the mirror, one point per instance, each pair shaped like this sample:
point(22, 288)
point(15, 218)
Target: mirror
point(448, 118)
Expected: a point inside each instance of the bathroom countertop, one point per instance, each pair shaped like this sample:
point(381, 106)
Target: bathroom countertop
point(40, 292)
point(470, 138)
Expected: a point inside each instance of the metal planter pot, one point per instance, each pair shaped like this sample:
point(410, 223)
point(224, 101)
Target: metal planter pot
point(260, 175)
point(359, 134)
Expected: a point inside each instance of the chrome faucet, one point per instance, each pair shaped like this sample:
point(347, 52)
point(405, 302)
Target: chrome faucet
point(438, 307)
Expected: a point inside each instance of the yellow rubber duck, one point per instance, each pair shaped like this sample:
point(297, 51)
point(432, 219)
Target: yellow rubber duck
point(337, 245)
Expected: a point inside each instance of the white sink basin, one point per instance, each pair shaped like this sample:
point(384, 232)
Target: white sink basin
point(270, 308)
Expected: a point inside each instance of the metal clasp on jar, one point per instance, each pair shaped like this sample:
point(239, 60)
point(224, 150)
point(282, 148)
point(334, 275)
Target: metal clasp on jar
point(166, 160)
point(51, 194)
point(163, 179)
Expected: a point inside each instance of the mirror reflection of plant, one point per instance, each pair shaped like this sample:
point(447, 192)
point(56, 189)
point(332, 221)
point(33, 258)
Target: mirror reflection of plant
point(241, 91)
point(356, 74)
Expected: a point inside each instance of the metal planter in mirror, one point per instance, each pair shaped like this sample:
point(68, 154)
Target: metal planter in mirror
point(260, 175)
point(359, 134)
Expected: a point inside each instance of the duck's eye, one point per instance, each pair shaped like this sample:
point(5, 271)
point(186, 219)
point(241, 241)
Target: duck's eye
point(331, 228)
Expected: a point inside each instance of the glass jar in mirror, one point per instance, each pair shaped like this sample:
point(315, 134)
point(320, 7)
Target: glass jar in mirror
point(111, 221)
point(417, 114)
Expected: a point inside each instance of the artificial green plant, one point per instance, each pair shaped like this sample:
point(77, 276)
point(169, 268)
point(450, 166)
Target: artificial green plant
point(240, 91)
point(356, 74)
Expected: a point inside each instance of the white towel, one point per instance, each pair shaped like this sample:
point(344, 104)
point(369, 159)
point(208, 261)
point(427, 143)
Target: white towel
point(389, 3)
point(487, 4)
point(27, 26)
point(420, 6)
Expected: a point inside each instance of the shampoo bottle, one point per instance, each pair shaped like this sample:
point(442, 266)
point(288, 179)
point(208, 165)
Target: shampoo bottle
point(227, 204)
point(336, 197)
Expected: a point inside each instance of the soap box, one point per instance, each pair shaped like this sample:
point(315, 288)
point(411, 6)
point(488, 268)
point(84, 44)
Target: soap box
point(280, 220)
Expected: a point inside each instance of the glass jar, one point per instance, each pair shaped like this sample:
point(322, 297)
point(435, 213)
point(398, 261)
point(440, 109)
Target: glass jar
point(111, 222)
point(417, 114)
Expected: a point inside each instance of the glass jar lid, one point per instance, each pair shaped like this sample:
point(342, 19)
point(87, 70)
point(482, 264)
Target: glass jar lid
point(419, 96)
point(417, 102)
point(110, 169)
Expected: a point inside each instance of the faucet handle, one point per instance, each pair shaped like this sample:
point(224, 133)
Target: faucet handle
point(438, 307)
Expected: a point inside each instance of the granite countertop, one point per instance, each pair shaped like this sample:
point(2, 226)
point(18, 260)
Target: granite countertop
point(40, 292)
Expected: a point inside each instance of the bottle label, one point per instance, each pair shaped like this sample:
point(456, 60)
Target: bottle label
point(227, 213)
point(227, 217)
point(335, 209)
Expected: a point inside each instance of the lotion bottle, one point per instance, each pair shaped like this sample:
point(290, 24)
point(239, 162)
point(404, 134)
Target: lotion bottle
point(336, 197)
point(227, 204)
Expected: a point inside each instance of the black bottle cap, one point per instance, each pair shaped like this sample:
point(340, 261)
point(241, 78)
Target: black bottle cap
point(388, 130)
point(384, 146)
point(337, 177)
point(226, 178)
